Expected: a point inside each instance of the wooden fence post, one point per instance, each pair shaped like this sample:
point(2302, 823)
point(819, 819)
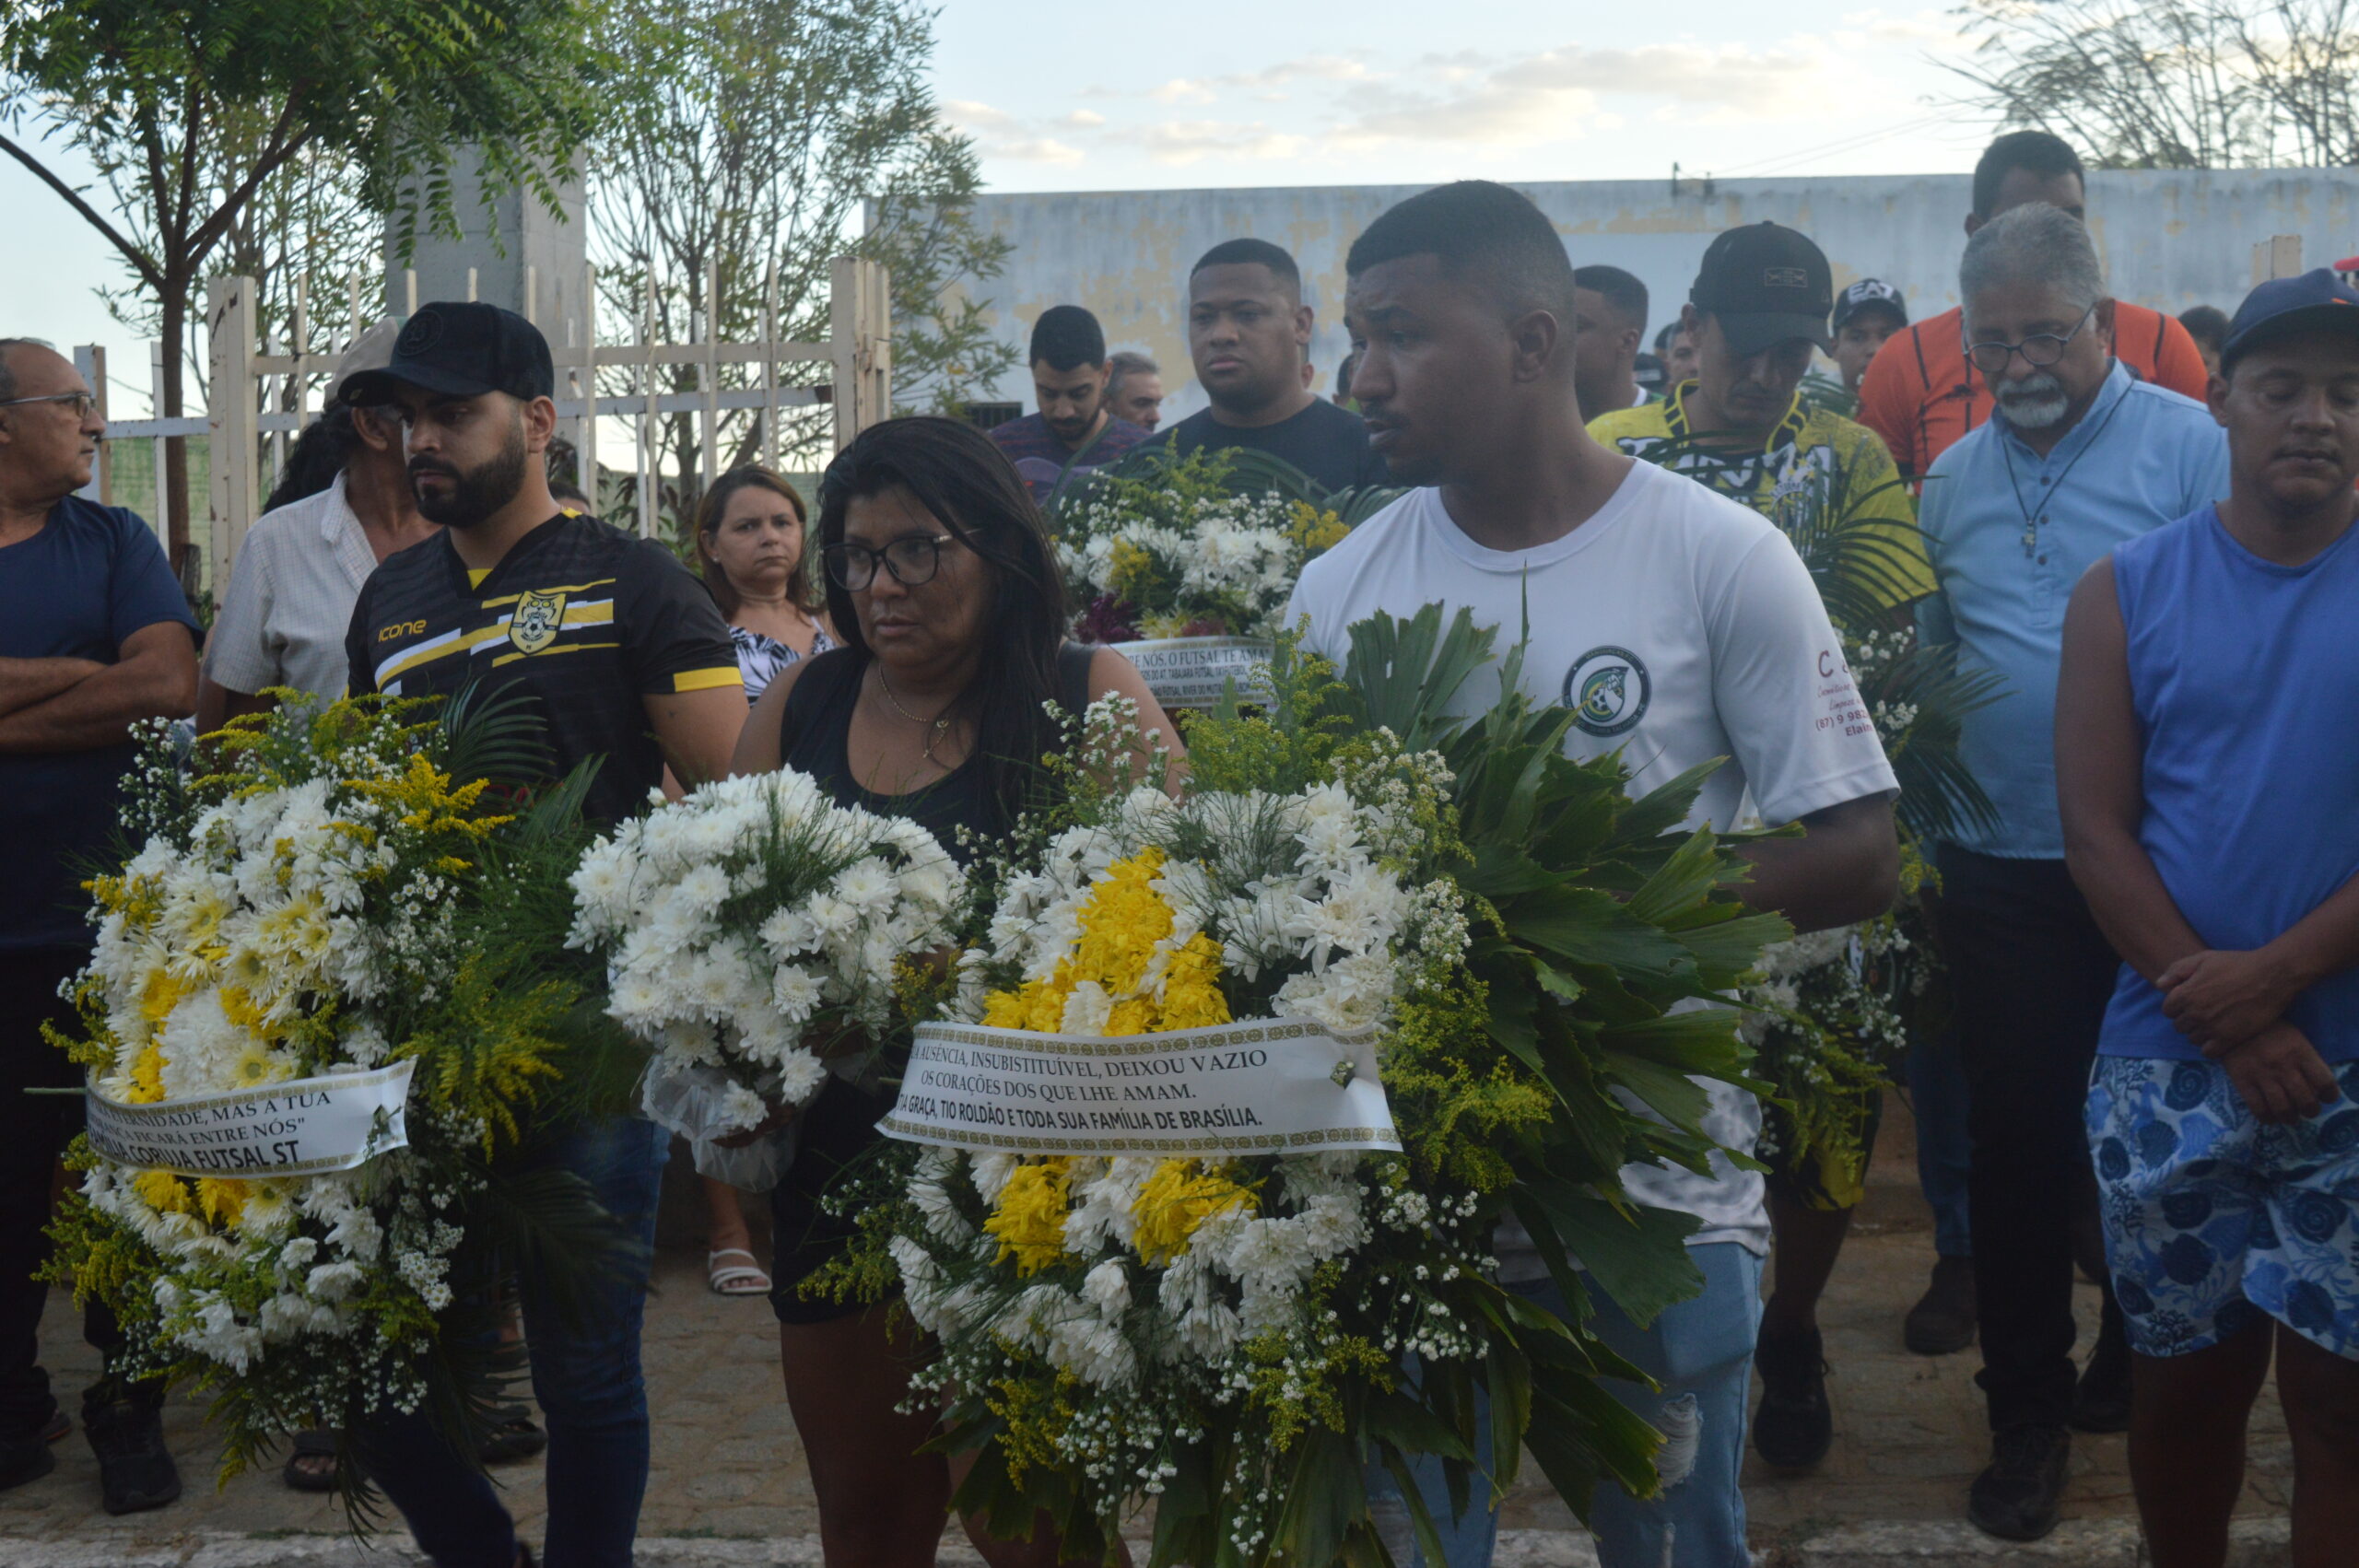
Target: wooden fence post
point(229, 419)
point(860, 331)
point(90, 359)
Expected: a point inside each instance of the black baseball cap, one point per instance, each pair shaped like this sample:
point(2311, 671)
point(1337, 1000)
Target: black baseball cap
point(1867, 293)
point(1766, 285)
point(2314, 303)
point(463, 349)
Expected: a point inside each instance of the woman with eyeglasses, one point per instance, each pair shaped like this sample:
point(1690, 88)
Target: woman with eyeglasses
point(943, 589)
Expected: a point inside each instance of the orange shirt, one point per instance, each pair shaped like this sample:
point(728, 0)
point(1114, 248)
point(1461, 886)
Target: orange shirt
point(1921, 394)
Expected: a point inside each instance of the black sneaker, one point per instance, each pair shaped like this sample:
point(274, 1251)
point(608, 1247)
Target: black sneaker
point(26, 1459)
point(1794, 1426)
point(2101, 1400)
point(2015, 1498)
point(1942, 1322)
point(127, 1431)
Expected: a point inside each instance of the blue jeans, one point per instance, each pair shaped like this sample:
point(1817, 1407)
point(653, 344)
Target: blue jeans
point(1937, 1095)
point(585, 1375)
point(1701, 1352)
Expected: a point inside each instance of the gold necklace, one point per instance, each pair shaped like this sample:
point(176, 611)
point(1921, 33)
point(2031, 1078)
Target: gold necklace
point(938, 726)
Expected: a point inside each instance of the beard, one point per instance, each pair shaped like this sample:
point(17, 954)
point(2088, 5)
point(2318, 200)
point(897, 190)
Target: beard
point(2034, 403)
point(474, 493)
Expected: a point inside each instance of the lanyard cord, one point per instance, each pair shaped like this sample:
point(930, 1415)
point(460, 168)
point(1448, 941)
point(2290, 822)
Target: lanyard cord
point(2014, 486)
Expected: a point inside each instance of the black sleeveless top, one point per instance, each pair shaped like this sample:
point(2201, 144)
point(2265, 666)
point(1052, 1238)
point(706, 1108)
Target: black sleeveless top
point(814, 731)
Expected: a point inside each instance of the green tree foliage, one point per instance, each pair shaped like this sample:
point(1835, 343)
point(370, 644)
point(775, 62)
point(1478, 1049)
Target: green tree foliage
point(764, 139)
point(192, 111)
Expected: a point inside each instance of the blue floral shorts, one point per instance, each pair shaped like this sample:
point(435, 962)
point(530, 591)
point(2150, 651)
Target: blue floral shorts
point(2213, 1219)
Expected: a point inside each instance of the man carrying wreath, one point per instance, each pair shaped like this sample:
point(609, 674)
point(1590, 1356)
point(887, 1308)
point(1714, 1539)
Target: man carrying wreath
point(1680, 628)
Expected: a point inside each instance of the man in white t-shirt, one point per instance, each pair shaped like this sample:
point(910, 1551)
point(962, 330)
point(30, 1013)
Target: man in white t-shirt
point(1681, 628)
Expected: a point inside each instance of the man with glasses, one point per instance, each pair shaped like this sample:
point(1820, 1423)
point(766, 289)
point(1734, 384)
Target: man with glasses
point(94, 637)
point(626, 659)
point(2078, 456)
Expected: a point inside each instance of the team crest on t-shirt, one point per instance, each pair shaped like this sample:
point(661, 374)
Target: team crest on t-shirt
point(534, 624)
point(1607, 689)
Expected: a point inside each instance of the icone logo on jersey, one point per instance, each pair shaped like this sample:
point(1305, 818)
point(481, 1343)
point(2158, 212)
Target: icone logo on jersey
point(1608, 689)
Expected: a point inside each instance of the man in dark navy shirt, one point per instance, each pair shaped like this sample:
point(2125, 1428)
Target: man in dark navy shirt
point(1248, 334)
point(1077, 429)
point(94, 637)
point(628, 660)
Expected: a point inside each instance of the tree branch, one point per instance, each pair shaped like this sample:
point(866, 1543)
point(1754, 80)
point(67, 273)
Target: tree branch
point(131, 254)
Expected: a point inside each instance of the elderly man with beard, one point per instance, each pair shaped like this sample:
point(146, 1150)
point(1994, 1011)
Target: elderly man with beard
point(2080, 457)
point(625, 657)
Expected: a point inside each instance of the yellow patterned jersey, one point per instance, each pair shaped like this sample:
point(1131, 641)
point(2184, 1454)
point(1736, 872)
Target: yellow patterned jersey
point(1812, 457)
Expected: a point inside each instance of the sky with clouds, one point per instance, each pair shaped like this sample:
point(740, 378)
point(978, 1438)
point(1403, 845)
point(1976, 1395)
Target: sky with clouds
point(1248, 92)
point(1309, 92)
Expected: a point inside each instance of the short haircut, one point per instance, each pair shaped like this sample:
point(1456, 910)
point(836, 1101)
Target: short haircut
point(1475, 228)
point(1253, 253)
point(1665, 338)
point(2207, 324)
point(2036, 244)
point(1344, 372)
point(1621, 289)
point(2033, 152)
point(9, 345)
point(1065, 337)
point(1127, 364)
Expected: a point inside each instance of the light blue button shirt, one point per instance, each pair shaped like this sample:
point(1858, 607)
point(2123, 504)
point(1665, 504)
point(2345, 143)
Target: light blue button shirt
point(2010, 533)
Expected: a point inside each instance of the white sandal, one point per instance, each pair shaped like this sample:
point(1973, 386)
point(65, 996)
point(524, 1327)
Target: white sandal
point(744, 1278)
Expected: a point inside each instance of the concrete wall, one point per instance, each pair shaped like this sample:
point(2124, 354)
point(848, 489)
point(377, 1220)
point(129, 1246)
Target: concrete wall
point(2170, 239)
point(500, 241)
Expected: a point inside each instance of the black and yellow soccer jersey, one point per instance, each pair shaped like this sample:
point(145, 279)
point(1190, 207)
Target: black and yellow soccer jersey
point(586, 618)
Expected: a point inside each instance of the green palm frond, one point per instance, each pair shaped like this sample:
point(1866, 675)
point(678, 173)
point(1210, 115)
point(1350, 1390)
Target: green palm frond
point(1939, 798)
point(500, 734)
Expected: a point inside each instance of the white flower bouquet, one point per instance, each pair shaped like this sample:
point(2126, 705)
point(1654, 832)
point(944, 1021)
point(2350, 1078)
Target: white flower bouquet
point(320, 1013)
point(757, 936)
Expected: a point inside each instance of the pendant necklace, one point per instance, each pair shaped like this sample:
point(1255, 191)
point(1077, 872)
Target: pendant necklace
point(935, 727)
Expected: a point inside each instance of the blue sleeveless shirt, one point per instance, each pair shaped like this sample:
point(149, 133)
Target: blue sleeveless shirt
point(2246, 679)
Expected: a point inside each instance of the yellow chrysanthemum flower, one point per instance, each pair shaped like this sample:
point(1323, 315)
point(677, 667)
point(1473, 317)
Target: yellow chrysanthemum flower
point(1030, 1219)
point(1177, 1198)
point(1123, 921)
point(221, 1200)
point(1127, 565)
point(147, 1076)
point(164, 1193)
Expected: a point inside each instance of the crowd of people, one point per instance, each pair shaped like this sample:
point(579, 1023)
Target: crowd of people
point(2140, 527)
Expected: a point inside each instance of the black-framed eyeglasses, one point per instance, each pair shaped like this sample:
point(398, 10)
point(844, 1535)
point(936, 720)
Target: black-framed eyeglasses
point(83, 401)
point(912, 561)
point(2040, 350)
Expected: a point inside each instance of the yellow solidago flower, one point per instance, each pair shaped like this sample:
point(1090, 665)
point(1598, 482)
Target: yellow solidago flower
point(1176, 1199)
point(1030, 1219)
point(1126, 566)
point(1316, 531)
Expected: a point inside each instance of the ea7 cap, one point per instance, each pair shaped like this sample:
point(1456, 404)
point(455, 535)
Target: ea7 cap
point(373, 350)
point(1766, 285)
point(2312, 304)
point(1866, 293)
point(464, 348)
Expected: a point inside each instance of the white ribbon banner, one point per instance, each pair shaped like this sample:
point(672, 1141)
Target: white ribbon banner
point(307, 1126)
point(1266, 1086)
point(1192, 672)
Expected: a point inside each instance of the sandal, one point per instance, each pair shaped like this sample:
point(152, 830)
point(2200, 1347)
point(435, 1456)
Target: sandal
point(745, 1279)
point(513, 1439)
point(312, 1465)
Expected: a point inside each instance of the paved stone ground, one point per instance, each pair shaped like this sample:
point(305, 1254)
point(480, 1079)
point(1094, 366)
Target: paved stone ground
point(728, 1465)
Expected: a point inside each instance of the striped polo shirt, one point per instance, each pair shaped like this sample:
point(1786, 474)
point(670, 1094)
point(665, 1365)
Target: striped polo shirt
point(587, 619)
